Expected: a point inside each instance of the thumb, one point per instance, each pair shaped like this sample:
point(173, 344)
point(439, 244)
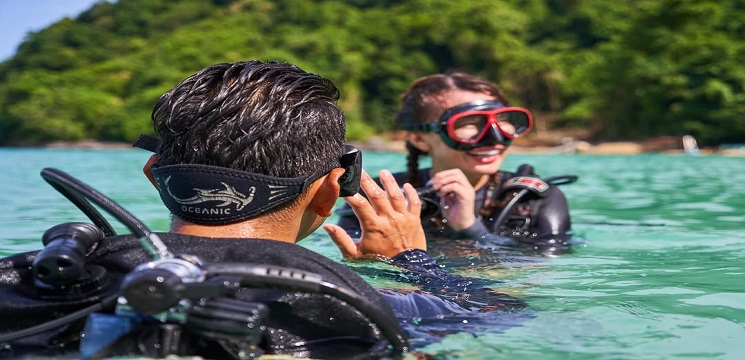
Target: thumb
point(343, 241)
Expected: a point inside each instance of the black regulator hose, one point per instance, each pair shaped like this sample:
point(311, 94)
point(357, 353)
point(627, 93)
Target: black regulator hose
point(94, 215)
point(49, 325)
point(77, 192)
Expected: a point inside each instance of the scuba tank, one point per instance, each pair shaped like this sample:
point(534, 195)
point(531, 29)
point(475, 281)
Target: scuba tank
point(68, 296)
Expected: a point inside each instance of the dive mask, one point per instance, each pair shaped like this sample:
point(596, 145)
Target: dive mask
point(478, 123)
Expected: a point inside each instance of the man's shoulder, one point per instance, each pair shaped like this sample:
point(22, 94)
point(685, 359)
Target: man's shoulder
point(126, 250)
point(241, 249)
point(125, 253)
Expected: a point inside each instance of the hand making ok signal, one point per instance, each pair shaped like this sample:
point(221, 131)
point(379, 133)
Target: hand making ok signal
point(389, 219)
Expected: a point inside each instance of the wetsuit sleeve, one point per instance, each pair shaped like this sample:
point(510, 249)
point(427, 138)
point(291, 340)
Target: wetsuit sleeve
point(417, 259)
point(471, 294)
point(418, 304)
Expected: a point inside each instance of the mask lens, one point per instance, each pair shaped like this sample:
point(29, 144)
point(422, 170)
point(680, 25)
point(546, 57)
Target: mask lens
point(513, 123)
point(468, 128)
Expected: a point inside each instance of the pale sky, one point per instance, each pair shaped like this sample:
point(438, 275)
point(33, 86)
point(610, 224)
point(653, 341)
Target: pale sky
point(19, 17)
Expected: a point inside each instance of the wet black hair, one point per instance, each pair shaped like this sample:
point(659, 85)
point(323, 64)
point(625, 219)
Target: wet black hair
point(270, 118)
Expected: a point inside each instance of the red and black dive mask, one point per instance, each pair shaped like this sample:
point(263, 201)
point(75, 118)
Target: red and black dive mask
point(205, 194)
point(478, 123)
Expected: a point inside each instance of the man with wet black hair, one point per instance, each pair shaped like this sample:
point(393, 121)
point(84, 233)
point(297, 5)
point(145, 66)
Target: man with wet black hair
point(251, 153)
point(243, 127)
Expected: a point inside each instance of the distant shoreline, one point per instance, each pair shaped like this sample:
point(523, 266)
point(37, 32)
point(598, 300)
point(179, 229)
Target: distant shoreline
point(378, 143)
point(568, 145)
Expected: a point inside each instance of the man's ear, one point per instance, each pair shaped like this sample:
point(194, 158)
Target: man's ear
point(417, 140)
point(327, 193)
point(148, 172)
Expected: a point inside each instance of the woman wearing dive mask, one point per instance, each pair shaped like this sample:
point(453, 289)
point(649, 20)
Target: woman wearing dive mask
point(465, 124)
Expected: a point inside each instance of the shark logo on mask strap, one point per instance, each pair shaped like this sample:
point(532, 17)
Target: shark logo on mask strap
point(205, 194)
point(227, 196)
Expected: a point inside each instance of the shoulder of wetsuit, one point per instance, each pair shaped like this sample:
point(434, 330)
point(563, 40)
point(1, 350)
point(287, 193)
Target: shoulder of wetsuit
point(270, 252)
point(124, 253)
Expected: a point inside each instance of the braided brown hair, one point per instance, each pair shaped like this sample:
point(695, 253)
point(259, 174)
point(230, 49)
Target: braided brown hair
point(422, 103)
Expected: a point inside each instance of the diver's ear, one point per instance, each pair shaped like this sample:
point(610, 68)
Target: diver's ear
point(417, 140)
point(327, 193)
point(147, 169)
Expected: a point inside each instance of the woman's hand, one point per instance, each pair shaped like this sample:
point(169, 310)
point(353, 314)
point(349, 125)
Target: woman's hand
point(389, 220)
point(457, 198)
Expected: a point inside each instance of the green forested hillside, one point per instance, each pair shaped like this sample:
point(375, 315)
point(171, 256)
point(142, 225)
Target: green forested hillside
point(624, 70)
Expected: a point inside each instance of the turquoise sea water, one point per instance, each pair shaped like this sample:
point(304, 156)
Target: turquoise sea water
point(661, 276)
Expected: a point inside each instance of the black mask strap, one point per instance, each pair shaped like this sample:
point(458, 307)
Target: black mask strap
point(206, 194)
point(147, 142)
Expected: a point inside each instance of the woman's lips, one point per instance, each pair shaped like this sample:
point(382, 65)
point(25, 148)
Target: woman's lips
point(486, 152)
point(486, 155)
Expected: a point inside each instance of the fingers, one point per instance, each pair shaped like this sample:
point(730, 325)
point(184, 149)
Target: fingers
point(387, 199)
point(414, 203)
point(449, 177)
point(389, 220)
point(457, 197)
point(397, 200)
point(375, 195)
point(362, 209)
point(343, 241)
point(454, 188)
point(452, 183)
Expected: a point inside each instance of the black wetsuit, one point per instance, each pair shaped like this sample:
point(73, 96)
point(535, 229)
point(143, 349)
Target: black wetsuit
point(536, 220)
point(307, 324)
